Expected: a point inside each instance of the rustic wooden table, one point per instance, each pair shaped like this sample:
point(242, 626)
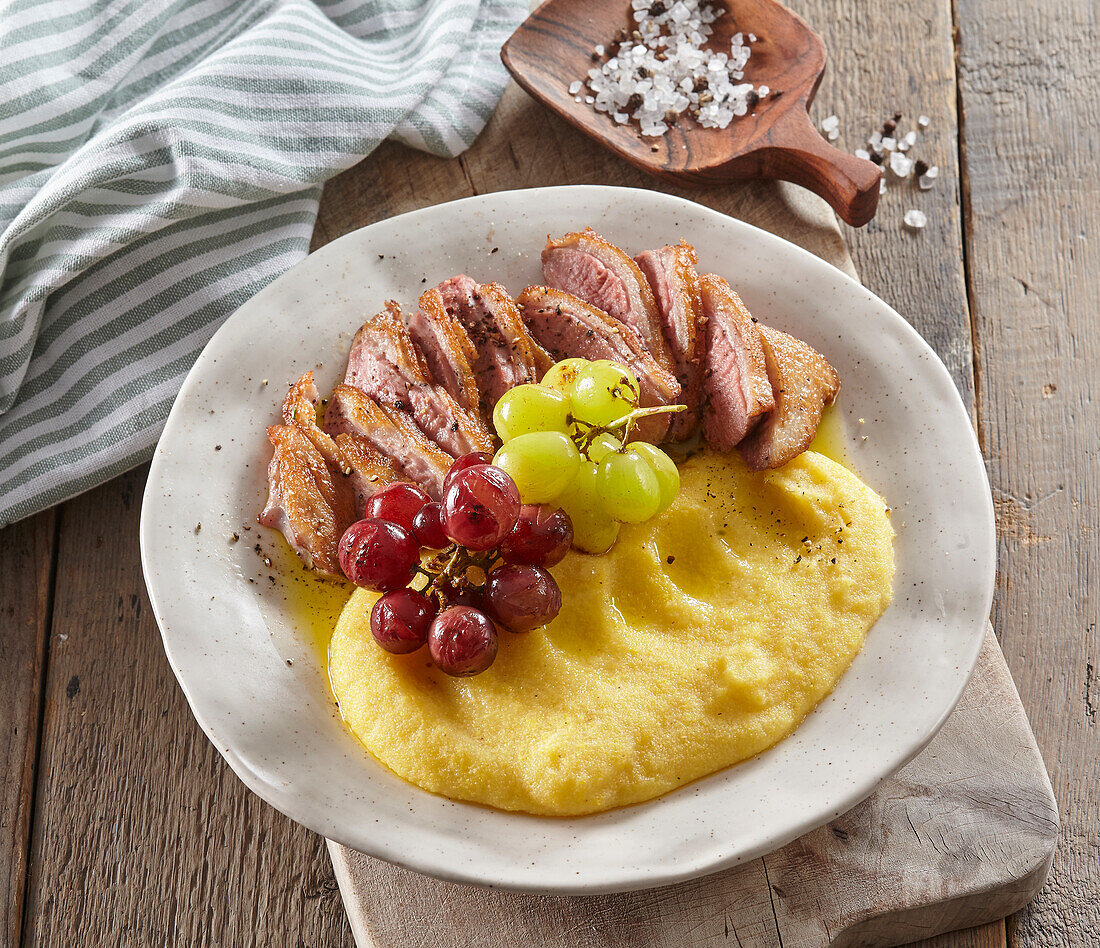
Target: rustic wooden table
point(119, 823)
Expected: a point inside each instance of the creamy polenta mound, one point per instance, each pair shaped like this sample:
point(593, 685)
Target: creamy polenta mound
point(704, 637)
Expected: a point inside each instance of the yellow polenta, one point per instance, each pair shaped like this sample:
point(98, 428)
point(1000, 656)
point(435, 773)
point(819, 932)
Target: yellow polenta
point(702, 638)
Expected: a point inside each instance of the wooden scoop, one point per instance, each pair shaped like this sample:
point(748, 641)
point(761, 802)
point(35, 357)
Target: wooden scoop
point(554, 47)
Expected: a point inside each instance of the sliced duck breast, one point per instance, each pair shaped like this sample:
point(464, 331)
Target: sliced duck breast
point(366, 469)
point(569, 327)
point(735, 377)
point(594, 270)
point(506, 354)
point(671, 274)
point(387, 365)
point(306, 502)
point(390, 433)
point(803, 383)
point(447, 349)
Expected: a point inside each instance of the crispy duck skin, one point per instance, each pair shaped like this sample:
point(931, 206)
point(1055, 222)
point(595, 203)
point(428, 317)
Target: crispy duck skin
point(366, 469)
point(670, 272)
point(803, 383)
point(387, 365)
point(307, 503)
point(447, 349)
point(506, 355)
point(735, 377)
point(599, 273)
point(568, 327)
point(390, 433)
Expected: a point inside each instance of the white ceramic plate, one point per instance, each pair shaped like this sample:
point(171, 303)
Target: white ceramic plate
point(253, 676)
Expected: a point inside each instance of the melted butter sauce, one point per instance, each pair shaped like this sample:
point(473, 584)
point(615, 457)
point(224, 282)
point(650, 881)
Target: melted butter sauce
point(313, 602)
point(832, 438)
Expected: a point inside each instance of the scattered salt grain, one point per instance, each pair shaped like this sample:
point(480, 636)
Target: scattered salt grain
point(575, 87)
point(830, 124)
point(927, 179)
point(882, 185)
point(910, 138)
point(901, 164)
point(889, 143)
point(915, 219)
point(923, 121)
point(863, 153)
point(661, 70)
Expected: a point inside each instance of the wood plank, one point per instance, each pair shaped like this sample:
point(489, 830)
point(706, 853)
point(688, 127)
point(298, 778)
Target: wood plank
point(984, 936)
point(391, 181)
point(899, 57)
point(142, 835)
point(1031, 140)
point(26, 571)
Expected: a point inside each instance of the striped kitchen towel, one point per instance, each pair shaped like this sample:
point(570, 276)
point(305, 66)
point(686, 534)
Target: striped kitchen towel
point(160, 162)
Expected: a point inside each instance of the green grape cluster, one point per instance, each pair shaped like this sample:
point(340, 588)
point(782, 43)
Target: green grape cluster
point(565, 443)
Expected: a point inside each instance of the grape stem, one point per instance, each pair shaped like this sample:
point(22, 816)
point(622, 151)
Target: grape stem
point(449, 566)
point(591, 432)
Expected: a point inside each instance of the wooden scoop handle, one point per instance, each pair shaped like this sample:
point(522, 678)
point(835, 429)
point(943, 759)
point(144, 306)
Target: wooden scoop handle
point(798, 153)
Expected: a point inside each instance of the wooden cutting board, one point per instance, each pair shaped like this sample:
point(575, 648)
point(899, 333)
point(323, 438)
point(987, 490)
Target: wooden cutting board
point(962, 835)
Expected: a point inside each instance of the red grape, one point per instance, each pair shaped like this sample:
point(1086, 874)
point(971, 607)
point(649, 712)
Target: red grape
point(400, 619)
point(428, 529)
point(541, 537)
point(463, 641)
point(377, 554)
point(480, 507)
point(460, 464)
point(398, 503)
point(522, 598)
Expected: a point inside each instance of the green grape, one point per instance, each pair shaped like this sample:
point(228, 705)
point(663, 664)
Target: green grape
point(593, 530)
point(603, 445)
point(628, 488)
point(604, 392)
point(528, 408)
point(542, 463)
point(668, 477)
point(562, 375)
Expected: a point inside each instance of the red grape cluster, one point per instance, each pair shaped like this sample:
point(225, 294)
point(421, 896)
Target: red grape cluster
point(490, 569)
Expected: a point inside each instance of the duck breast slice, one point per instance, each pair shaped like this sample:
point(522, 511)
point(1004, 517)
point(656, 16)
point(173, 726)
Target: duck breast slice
point(594, 270)
point(506, 355)
point(803, 383)
point(387, 365)
point(736, 386)
point(569, 327)
point(366, 469)
point(390, 433)
point(670, 272)
point(309, 504)
point(447, 349)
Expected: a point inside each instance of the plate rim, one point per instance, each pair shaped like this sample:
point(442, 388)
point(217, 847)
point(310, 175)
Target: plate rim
point(294, 807)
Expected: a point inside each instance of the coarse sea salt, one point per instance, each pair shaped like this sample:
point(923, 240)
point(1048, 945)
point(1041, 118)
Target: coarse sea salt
point(662, 70)
point(901, 164)
point(915, 219)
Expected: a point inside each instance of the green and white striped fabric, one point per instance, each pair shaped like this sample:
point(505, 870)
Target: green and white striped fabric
point(160, 162)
